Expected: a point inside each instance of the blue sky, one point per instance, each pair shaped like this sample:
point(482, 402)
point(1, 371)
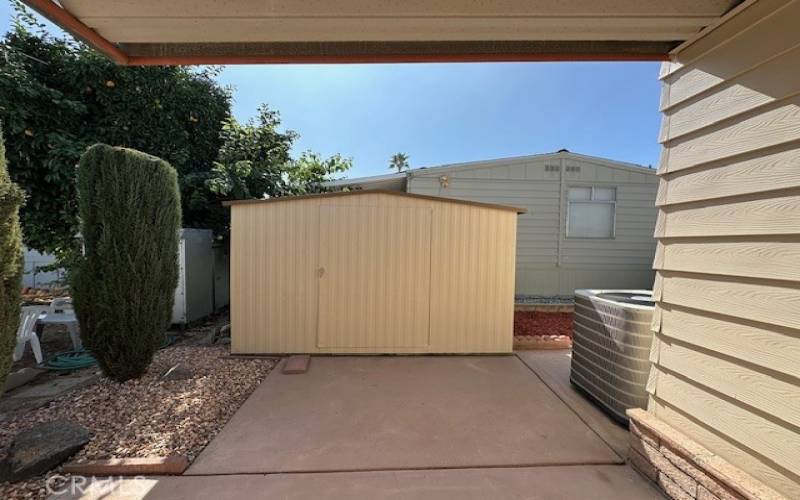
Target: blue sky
point(446, 113)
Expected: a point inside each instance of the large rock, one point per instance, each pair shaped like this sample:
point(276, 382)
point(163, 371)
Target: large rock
point(41, 448)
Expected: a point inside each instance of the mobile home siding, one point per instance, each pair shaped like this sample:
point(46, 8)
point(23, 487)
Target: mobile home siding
point(549, 263)
point(726, 359)
point(441, 276)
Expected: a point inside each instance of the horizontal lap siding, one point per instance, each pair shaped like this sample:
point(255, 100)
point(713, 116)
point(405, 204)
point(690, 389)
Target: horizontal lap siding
point(775, 258)
point(622, 262)
point(756, 172)
point(525, 186)
point(727, 322)
point(732, 56)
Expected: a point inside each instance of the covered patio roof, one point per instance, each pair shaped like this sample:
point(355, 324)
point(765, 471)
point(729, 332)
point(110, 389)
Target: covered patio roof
point(144, 32)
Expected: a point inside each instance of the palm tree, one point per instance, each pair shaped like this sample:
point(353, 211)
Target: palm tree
point(399, 162)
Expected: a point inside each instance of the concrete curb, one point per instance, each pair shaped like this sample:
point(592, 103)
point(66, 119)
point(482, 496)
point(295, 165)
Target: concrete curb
point(151, 466)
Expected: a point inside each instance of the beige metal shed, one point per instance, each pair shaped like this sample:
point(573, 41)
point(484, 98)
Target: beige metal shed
point(372, 272)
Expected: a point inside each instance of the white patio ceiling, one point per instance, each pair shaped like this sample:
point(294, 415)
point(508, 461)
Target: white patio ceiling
point(375, 30)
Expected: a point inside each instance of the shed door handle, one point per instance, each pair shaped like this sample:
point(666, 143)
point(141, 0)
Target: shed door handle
point(321, 272)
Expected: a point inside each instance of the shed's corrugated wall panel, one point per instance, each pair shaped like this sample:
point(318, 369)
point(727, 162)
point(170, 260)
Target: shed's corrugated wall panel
point(727, 323)
point(375, 273)
point(548, 263)
point(275, 282)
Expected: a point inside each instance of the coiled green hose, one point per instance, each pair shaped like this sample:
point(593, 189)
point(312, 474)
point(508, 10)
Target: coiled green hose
point(81, 358)
point(70, 360)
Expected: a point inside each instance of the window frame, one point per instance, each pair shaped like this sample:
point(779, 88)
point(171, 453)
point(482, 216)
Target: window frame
point(593, 201)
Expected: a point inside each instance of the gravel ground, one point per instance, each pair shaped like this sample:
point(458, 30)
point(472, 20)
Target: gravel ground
point(536, 323)
point(148, 416)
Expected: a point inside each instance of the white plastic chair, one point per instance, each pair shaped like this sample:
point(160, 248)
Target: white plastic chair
point(27, 333)
point(61, 305)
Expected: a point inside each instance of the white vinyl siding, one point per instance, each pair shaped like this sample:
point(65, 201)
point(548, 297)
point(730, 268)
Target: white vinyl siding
point(549, 263)
point(591, 211)
point(727, 321)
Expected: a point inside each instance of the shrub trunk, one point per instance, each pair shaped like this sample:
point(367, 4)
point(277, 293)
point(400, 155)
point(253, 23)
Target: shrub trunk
point(124, 285)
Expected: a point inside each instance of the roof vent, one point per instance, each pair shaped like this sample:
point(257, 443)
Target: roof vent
point(564, 150)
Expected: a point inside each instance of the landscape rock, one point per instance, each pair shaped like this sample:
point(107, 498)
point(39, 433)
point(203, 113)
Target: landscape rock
point(177, 372)
point(56, 386)
point(225, 331)
point(206, 340)
point(41, 448)
point(218, 335)
point(20, 377)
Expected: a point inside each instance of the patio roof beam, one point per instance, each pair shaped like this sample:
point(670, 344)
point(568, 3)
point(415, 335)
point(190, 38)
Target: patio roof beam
point(395, 52)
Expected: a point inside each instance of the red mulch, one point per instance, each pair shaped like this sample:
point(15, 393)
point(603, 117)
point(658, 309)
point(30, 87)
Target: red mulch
point(535, 324)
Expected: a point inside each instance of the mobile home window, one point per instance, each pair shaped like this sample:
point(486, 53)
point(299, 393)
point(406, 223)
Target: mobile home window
point(590, 212)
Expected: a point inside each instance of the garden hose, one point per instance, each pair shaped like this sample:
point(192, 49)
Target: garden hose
point(69, 360)
point(80, 358)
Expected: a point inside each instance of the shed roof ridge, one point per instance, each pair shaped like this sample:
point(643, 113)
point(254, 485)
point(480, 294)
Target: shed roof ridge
point(334, 194)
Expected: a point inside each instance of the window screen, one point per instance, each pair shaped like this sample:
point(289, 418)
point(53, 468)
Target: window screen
point(590, 212)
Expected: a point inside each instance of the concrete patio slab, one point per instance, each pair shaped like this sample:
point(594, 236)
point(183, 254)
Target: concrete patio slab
point(603, 482)
point(553, 367)
point(393, 413)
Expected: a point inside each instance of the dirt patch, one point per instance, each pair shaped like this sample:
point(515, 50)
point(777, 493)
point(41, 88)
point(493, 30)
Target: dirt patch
point(149, 416)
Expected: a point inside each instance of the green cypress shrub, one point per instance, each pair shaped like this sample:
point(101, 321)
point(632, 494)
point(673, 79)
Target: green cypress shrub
point(11, 197)
point(124, 285)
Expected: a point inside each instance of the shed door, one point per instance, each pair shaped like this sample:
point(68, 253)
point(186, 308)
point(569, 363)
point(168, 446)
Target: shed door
point(374, 277)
